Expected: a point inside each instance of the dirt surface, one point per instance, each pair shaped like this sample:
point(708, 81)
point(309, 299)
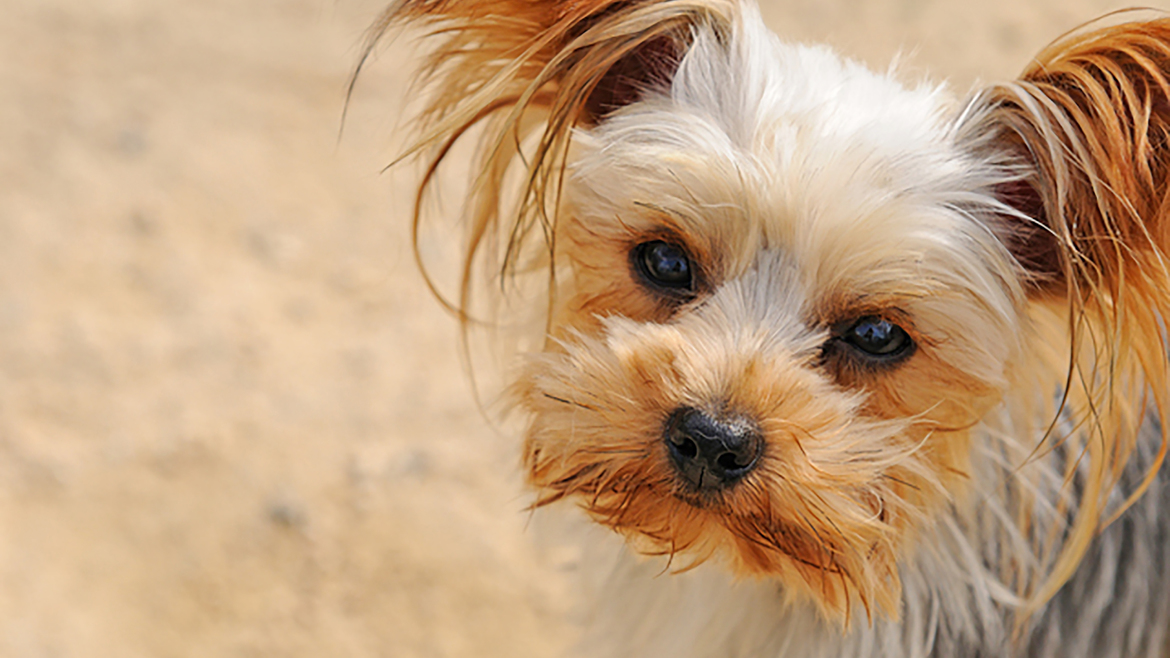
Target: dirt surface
point(232, 421)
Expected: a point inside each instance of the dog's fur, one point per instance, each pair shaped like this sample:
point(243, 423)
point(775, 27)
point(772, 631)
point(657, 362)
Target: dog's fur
point(994, 489)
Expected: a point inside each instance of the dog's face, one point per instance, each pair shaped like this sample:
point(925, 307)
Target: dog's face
point(785, 314)
point(788, 293)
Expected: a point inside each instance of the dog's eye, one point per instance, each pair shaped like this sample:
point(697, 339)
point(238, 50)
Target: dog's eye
point(664, 265)
point(878, 337)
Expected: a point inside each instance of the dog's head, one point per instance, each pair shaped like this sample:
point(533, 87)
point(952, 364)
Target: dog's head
point(787, 293)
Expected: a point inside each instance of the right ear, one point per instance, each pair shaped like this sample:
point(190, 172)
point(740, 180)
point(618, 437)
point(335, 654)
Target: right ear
point(524, 68)
point(1086, 133)
point(1089, 125)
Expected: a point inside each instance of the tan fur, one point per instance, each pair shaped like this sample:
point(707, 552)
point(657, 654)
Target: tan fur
point(857, 461)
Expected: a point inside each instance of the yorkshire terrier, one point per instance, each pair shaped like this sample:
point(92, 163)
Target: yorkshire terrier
point(873, 370)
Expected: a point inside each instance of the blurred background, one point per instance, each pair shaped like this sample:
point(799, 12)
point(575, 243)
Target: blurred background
point(232, 421)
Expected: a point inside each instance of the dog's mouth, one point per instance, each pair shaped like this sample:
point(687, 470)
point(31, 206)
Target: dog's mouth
point(743, 523)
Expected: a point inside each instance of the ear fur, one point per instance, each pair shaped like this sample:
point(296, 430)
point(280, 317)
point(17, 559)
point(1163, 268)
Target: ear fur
point(527, 72)
point(1090, 122)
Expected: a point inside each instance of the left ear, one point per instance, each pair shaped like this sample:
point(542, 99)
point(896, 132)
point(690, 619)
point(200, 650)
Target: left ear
point(1082, 146)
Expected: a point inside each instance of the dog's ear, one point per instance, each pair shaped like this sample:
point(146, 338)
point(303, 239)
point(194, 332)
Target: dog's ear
point(1084, 136)
point(527, 72)
point(1090, 121)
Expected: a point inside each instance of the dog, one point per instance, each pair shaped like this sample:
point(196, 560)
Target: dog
point(851, 367)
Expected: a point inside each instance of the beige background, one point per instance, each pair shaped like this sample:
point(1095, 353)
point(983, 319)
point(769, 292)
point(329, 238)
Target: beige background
point(232, 423)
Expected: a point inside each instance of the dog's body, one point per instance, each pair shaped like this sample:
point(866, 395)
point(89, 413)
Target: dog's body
point(896, 364)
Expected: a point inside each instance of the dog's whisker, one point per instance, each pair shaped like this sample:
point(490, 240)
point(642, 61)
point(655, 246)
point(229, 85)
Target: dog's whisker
point(572, 403)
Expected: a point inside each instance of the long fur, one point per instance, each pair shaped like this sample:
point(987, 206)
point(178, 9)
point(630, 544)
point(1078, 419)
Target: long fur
point(978, 499)
point(1091, 116)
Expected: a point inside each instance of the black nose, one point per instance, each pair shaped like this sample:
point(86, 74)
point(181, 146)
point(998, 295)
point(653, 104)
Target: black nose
point(711, 453)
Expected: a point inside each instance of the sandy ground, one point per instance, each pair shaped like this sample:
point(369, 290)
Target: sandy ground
point(232, 422)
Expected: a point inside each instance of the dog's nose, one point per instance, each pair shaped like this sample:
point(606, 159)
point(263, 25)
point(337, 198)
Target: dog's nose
point(711, 453)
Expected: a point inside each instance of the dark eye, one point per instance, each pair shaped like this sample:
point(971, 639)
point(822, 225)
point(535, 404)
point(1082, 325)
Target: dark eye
point(878, 337)
point(663, 265)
